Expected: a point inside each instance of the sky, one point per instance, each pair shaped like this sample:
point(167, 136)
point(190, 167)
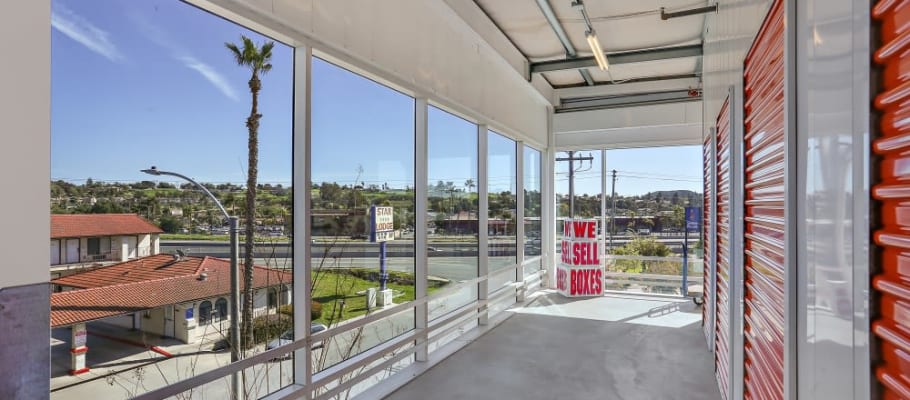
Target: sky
point(142, 83)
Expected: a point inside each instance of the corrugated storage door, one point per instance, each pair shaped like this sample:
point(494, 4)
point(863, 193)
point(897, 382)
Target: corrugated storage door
point(722, 305)
point(707, 310)
point(892, 328)
point(764, 192)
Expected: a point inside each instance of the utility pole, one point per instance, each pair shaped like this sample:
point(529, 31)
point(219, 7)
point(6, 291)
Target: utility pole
point(571, 159)
point(613, 209)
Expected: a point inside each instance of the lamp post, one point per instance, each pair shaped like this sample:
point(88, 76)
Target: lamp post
point(235, 276)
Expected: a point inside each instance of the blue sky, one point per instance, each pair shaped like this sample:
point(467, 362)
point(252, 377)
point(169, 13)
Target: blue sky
point(140, 83)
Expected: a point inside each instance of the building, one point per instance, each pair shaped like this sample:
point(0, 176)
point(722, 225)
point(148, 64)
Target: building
point(800, 106)
point(86, 240)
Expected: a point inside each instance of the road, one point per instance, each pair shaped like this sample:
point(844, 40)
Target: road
point(397, 248)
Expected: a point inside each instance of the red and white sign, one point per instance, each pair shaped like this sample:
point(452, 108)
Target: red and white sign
point(580, 272)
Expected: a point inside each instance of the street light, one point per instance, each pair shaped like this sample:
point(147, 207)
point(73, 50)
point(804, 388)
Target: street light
point(235, 275)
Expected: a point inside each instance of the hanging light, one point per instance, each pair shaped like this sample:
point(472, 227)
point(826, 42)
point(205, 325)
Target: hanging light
point(597, 50)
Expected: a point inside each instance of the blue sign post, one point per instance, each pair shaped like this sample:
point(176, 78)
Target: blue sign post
point(381, 230)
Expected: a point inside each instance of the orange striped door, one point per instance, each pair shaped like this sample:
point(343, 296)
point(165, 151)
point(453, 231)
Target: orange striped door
point(707, 311)
point(892, 284)
point(722, 263)
point(763, 211)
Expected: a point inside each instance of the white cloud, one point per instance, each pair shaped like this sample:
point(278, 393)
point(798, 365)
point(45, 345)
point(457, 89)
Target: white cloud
point(209, 73)
point(84, 32)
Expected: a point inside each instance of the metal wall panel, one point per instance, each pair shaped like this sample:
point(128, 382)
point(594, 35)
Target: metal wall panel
point(892, 328)
point(723, 246)
point(707, 311)
point(764, 246)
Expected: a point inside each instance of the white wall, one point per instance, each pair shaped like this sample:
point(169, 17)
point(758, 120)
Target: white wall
point(728, 36)
point(646, 126)
point(144, 245)
point(25, 157)
point(423, 47)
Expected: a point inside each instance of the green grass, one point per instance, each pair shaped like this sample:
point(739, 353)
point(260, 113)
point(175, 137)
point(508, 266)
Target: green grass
point(331, 287)
point(216, 238)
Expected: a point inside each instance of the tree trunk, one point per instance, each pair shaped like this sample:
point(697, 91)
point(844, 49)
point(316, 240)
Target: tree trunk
point(252, 124)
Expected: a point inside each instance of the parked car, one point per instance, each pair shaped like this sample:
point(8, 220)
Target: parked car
point(288, 336)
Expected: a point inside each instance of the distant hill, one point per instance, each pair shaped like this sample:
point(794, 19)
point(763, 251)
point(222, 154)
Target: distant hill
point(668, 194)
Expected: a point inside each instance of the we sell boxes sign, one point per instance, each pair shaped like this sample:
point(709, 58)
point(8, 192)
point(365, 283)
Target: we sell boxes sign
point(580, 272)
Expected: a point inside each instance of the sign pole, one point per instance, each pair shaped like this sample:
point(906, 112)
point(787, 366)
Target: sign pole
point(685, 265)
point(383, 273)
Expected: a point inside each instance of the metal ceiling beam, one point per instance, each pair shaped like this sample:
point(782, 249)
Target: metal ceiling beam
point(626, 57)
point(629, 100)
point(571, 53)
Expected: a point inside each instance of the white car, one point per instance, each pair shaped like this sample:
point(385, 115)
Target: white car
point(288, 336)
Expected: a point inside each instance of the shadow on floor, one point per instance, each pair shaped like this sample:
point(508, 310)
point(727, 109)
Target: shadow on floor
point(599, 348)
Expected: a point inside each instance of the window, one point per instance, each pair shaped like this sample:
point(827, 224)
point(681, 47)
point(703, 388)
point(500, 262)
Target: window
point(273, 298)
point(532, 196)
point(221, 309)
point(362, 157)
point(502, 204)
point(452, 207)
point(94, 246)
point(205, 313)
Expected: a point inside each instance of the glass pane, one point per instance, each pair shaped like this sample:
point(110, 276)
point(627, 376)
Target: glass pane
point(141, 84)
point(587, 188)
point(362, 158)
point(653, 187)
point(452, 208)
point(532, 244)
point(502, 200)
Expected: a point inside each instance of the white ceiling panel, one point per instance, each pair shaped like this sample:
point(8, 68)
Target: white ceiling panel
point(562, 78)
point(524, 23)
point(675, 66)
point(631, 25)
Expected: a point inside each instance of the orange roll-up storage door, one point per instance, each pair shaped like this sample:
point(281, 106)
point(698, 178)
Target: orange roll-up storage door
point(722, 263)
point(892, 284)
point(707, 311)
point(763, 212)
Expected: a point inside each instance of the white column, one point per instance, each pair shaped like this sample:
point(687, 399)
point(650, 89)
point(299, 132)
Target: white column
point(483, 268)
point(519, 218)
point(420, 232)
point(302, 182)
point(548, 206)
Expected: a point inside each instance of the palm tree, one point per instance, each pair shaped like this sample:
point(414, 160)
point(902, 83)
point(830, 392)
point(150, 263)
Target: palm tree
point(258, 60)
point(469, 184)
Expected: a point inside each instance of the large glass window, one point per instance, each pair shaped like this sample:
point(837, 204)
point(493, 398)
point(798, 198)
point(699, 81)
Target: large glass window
point(362, 157)
point(502, 212)
point(452, 208)
point(151, 83)
point(532, 200)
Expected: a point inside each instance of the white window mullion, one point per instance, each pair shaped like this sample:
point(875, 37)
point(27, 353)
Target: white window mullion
point(303, 62)
point(421, 181)
point(483, 269)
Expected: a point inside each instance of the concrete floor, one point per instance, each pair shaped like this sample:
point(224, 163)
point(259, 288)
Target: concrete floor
point(612, 347)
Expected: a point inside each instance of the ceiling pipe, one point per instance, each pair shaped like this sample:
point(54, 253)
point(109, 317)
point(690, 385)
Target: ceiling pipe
point(550, 16)
point(664, 15)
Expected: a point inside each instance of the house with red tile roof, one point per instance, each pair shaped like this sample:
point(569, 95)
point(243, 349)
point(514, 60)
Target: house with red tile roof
point(167, 295)
point(82, 240)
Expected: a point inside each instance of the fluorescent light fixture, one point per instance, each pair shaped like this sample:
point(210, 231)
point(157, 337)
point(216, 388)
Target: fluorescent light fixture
point(597, 50)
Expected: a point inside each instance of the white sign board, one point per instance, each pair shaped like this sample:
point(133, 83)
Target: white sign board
point(382, 225)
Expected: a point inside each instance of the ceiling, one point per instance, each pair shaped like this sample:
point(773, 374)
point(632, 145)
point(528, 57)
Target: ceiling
point(625, 29)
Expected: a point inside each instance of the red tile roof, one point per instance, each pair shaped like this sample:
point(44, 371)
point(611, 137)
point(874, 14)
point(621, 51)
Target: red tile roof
point(84, 225)
point(165, 282)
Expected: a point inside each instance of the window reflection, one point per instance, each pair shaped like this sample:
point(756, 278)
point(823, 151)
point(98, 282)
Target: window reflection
point(362, 157)
point(532, 203)
point(452, 208)
point(502, 213)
